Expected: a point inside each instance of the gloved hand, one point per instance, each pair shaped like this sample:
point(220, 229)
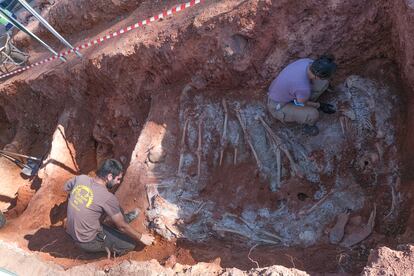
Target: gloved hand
point(327, 108)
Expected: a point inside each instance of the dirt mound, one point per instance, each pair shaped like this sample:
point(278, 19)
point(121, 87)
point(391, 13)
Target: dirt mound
point(385, 261)
point(182, 104)
point(22, 263)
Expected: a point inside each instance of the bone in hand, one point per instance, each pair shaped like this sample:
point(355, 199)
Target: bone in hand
point(224, 137)
point(247, 136)
point(362, 233)
point(180, 163)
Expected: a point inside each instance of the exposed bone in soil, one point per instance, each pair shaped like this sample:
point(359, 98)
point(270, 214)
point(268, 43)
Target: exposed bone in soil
point(182, 104)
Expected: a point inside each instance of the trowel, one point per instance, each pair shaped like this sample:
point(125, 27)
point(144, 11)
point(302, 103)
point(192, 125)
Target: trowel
point(30, 168)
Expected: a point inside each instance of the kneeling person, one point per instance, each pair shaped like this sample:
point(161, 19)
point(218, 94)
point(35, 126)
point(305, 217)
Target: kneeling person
point(89, 200)
point(293, 94)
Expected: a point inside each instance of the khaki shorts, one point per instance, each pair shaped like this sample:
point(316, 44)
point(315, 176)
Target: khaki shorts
point(290, 113)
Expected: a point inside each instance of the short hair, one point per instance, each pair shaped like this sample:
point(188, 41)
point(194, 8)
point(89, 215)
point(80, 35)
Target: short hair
point(109, 166)
point(323, 67)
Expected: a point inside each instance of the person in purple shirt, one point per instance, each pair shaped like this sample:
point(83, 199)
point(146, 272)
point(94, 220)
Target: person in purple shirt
point(294, 92)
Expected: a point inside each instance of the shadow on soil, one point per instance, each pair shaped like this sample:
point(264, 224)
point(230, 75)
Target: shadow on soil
point(58, 243)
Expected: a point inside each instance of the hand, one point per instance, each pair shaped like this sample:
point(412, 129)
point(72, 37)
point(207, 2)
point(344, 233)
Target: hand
point(327, 108)
point(147, 239)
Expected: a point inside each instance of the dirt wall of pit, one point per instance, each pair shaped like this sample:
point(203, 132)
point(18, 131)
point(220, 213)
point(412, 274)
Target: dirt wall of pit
point(223, 46)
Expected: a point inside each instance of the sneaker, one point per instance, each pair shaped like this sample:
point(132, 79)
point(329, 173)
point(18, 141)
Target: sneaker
point(310, 130)
point(129, 217)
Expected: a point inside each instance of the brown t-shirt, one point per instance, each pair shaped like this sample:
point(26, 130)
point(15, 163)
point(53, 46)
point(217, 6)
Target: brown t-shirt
point(88, 201)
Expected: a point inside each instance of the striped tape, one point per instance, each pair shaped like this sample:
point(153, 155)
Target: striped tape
point(148, 21)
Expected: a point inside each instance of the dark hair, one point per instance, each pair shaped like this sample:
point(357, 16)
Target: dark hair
point(109, 166)
point(324, 67)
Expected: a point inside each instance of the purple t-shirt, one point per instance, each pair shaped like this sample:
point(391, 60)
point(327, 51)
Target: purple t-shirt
point(292, 83)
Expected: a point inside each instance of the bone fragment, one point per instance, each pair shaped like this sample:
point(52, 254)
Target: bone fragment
point(317, 204)
point(191, 200)
point(337, 232)
point(248, 138)
point(157, 185)
point(379, 150)
point(173, 230)
point(200, 208)
point(395, 201)
point(240, 218)
point(180, 163)
point(199, 150)
point(362, 233)
point(235, 150)
point(252, 228)
point(341, 120)
point(271, 235)
point(219, 229)
point(282, 146)
point(279, 168)
point(224, 137)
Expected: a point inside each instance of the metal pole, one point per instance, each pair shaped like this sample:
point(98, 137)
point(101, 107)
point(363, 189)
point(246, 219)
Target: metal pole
point(48, 26)
point(18, 25)
point(20, 155)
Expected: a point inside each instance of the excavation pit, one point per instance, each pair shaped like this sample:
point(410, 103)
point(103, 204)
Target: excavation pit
point(182, 104)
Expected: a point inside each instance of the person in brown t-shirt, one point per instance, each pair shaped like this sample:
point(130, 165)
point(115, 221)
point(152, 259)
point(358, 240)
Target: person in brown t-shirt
point(89, 200)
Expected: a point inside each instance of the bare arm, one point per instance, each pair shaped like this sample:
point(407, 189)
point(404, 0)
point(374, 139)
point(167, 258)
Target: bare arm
point(124, 227)
point(313, 104)
point(305, 102)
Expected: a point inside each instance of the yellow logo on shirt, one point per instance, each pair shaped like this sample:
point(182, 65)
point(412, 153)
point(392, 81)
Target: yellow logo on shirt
point(82, 196)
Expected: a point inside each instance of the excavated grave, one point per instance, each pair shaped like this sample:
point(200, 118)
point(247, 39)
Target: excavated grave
point(351, 148)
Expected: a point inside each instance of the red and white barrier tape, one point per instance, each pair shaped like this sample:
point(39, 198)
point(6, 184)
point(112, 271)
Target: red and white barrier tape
point(148, 21)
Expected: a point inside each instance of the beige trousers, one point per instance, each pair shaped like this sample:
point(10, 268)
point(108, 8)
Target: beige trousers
point(289, 113)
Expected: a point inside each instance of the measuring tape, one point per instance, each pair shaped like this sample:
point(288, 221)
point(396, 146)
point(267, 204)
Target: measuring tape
point(148, 21)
